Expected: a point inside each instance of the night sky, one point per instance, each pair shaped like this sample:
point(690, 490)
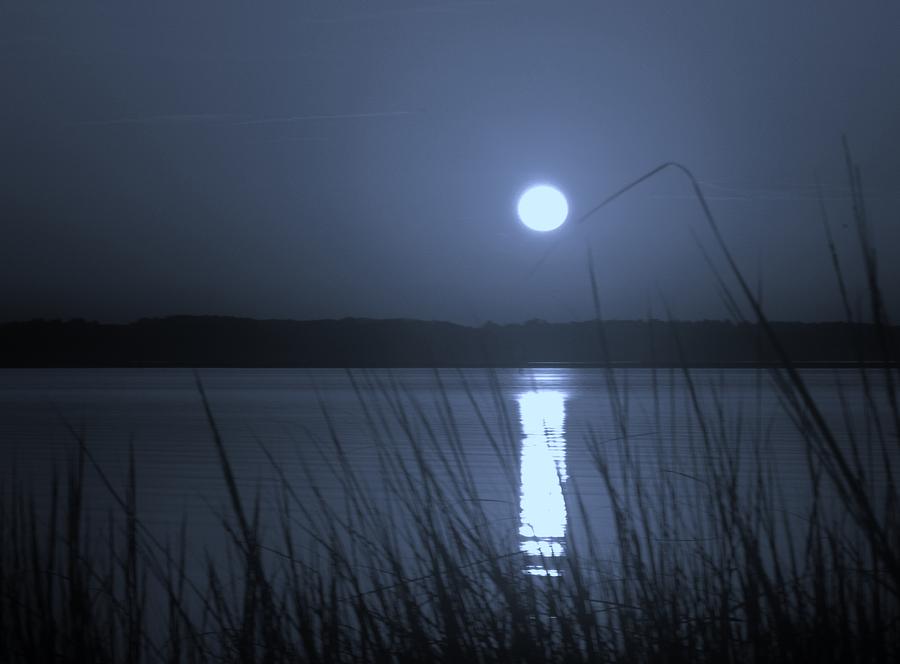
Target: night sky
point(300, 160)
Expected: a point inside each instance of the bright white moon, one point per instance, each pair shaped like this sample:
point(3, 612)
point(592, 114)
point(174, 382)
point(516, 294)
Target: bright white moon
point(543, 208)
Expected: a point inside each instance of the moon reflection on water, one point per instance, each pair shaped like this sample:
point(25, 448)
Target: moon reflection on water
point(542, 517)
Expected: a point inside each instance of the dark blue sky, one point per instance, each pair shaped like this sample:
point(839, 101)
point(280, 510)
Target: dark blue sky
point(310, 160)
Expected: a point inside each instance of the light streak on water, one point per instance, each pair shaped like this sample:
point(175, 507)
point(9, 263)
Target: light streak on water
point(542, 517)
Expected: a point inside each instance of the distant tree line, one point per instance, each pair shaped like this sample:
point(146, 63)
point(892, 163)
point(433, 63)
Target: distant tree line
point(182, 341)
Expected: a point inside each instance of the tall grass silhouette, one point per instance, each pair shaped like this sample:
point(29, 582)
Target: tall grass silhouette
point(707, 566)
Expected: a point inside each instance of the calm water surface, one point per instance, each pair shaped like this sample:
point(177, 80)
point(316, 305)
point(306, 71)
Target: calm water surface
point(543, 425)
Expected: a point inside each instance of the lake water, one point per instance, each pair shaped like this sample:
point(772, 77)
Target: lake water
point(543, 425)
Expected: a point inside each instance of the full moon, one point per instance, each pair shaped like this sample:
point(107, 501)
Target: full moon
point(543, 208)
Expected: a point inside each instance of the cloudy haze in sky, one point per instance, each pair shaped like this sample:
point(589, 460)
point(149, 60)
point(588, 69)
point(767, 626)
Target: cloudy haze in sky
point(320, 160)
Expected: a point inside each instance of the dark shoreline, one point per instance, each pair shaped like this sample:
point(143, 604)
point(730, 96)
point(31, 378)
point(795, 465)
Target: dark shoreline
point(209, 341)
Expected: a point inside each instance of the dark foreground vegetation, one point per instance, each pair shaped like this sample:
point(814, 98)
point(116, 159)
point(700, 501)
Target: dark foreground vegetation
point(725, 576)
point(218, 341)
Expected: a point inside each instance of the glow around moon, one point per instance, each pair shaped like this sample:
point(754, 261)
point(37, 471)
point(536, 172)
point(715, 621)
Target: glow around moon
point(543, 208)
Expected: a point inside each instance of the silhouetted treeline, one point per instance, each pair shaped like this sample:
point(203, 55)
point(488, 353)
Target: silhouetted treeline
point(243, 342)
